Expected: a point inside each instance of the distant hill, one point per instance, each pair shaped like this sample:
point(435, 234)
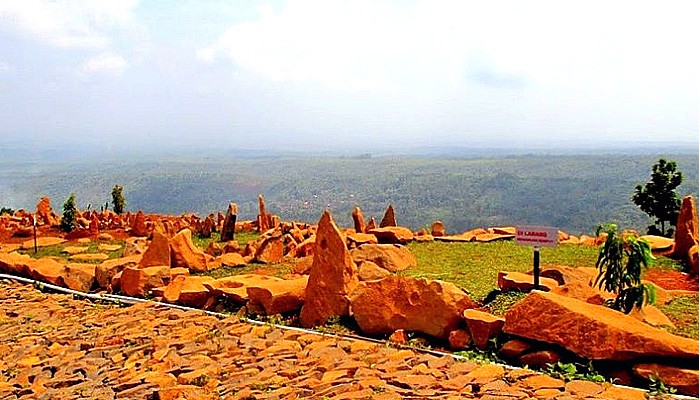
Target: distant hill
point(572, 192)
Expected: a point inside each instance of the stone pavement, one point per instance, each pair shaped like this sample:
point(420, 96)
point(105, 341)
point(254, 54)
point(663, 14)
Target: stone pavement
point(55, 347)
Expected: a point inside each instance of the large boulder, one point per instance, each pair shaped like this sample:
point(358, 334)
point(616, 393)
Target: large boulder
point(271, 250)
point(592, 331)
point(333, 276)
point(686, 228)
point(157, 253)
point(583, 292)
point(235, 287)
point(78, 277)
point(15, 263)
point(392, 234)
point(184, 254)
point(414, 304)
point(392, 257)
point(369, 271)
point(278, 297)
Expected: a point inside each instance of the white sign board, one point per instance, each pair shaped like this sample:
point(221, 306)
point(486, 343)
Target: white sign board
point(536, 236)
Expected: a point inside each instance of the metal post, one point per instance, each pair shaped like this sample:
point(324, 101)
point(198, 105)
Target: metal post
point(36, 248)
point(536, 269)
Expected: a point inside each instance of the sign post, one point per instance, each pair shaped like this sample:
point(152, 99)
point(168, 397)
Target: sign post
point(536, 236)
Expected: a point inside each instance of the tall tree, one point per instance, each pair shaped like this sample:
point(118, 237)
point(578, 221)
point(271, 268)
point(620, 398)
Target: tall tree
point(118, 199)
point(69, 211)
point(658, 197)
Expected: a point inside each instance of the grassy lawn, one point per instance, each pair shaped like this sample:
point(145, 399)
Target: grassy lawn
point(683, 312)
point(241, 237)
point(55, 250)
point(474, 266)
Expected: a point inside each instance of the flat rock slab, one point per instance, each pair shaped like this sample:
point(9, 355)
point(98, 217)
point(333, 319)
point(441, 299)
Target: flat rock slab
point(89, 257)
point(108, 247)
point(105, 352)
point(42, 242)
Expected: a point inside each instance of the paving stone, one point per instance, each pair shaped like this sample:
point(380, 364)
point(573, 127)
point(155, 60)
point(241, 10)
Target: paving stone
point(60, 347)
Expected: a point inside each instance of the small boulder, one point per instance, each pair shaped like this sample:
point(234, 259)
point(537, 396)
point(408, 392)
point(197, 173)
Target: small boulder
point(277, 297)
point(682, 379)
point(509, 280)
point(392, 257)
point(658, 243)
point(107, 269)
point(358, 220)
point(392, 235)
point(231, 260)
point(459, 339)
point(438, 229)
point(271, 250)
point(188, 290)
point(483, 327)
point(139, 281)
point(369, 271)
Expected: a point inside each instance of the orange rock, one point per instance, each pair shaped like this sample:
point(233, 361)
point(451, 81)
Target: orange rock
point(483, 326)
point(686, 228)
point(180, 392)
point(583, 292)
point(693, 260)
point(277, 297)
point(372, 224)
point(492, 237)
point(651, 315)
point(333, 276)
point(504, 230)
point(232, 260)
point(358, 239)
point(514, 348)
point(138, 226)
point(138, 281)
point(89, 257)
point(485, 373)
point(459, 339)
point(591, 331)
point(303, 265)
point(183, 253)
point(392, 234)
point(157, 253)
point(658, 243)
point(399, 336)
point(509, 280)
point(79, 277)
point(188, 290)
point(389, 218)
point(263, 220)
point(684, 380)
point(565, 275)
point(358, 220)
point(270, 251)
point(392, 257)
point(540, 359)
point(414, 304)
point(369, 271)
point(107, 269)
point(15, 263)
point(45, 213)
point(438, 229)
point(47, 270)
point(235, 287)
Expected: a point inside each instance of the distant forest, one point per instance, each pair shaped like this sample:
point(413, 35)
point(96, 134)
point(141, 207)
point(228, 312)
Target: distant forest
point(572, 192)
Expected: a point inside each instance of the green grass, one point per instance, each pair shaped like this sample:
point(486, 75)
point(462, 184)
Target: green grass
point(242, 238)
point(474, 266)
point(683, 312)
point(55, 250)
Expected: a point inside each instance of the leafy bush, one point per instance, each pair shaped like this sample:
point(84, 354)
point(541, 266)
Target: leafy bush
point(69, 211)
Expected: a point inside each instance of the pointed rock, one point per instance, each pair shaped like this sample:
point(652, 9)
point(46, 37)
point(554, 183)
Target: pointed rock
point(228, 229)
point(263, 220)
point(138, 226)
point(389, 218)
point(157, 253)
point(359, 220)
point(333, 276)
point(183, 253)
point(483, 327)
point(686, 228)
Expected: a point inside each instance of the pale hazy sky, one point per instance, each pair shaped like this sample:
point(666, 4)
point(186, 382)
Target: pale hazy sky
point(348, 74)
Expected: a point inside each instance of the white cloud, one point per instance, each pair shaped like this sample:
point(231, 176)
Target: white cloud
point(66, 23)
point(105, 62)
point(369, 45)
point(5, 67)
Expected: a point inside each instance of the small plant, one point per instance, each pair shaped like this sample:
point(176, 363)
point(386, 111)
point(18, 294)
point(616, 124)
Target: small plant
point(658, 388)
point(569, 372)
point(620, 262)
point(480, 356)
point(6, 210)
point(69, 211)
